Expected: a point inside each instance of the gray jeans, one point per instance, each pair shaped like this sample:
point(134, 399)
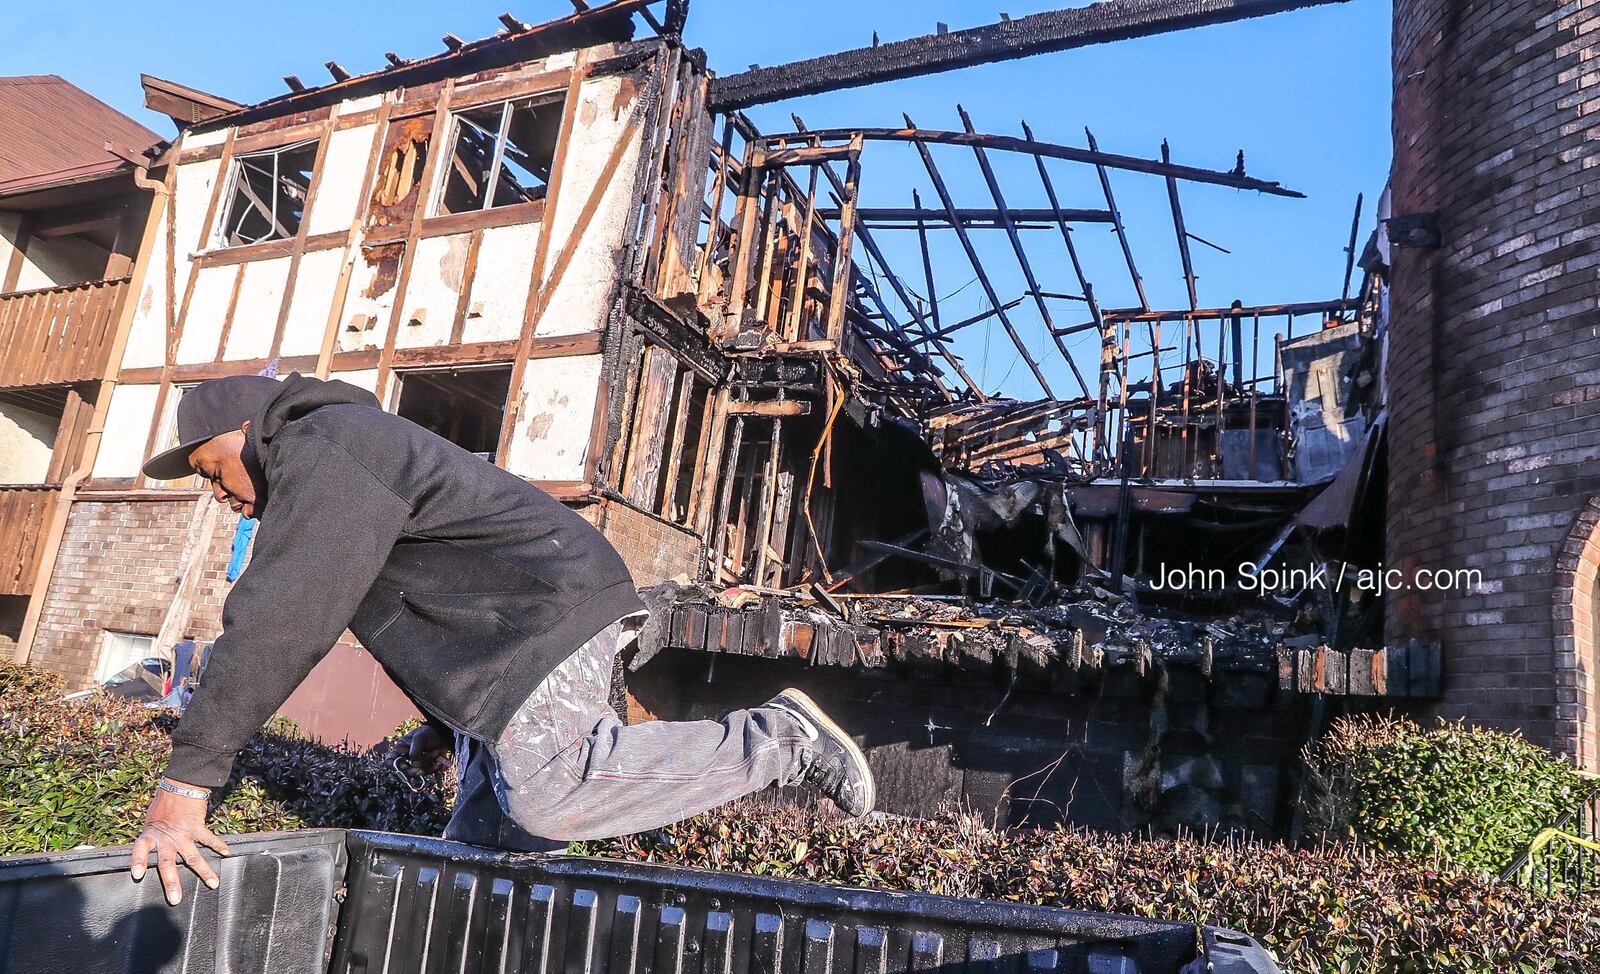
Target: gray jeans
point(567, 768)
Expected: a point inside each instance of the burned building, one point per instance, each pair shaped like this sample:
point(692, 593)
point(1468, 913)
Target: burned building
point(568, 249)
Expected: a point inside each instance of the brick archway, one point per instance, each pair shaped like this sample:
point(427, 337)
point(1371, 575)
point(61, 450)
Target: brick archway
point(1576, 605)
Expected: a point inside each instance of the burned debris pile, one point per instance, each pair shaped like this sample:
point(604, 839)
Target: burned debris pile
point(1087, 642)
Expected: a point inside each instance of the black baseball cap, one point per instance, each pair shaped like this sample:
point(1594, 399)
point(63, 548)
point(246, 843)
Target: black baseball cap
point(210, 409)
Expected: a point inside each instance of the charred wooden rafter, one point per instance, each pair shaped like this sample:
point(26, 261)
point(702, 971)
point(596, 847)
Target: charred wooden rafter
point(974, 217)
point(972, 255)
point(1021, 252)
point(608, 22)
point(1057, 30)
point(1233, 179)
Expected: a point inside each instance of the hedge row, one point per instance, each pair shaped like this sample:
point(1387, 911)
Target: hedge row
point(1336, 908)
point(81, 773)
point(1471, 796)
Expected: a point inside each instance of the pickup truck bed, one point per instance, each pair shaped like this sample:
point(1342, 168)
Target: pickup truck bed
point(337, 901)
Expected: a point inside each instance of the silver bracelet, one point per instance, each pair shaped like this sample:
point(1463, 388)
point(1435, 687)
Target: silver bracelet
point(182, 792)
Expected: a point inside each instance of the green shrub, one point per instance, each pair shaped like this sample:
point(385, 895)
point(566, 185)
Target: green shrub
point(82, 772)
point(1474, 797)
point(1334, 909)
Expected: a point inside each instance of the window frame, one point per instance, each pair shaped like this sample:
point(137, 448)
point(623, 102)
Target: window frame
point(107, 638)
point(218, 239)
point(167, 438)
point(436, 193)
point(397, 387)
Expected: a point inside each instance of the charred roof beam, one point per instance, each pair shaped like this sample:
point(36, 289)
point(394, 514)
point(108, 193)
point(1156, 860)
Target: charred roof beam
point(978, 218)
point(1233, 178)
point(871, 247)
point(1021, 252)
point(972, 257)
point(1043, 33)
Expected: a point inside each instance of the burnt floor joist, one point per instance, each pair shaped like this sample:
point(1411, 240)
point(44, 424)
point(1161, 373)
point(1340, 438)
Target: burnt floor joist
point(1057, 30)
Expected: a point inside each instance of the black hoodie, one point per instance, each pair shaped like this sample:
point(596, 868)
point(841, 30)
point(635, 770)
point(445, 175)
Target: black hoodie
point(465, 582)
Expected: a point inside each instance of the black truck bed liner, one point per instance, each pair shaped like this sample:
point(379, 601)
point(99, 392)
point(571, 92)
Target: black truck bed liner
point(331, 900)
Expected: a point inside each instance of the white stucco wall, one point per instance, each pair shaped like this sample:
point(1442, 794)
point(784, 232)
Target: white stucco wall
point(500, 286)
point(343, 170)
point(551, 438)
point(127, 429)
point(27, 438)
point(581, 299)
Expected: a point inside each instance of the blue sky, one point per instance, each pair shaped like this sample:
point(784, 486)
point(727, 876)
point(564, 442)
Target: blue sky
point(1305, 94)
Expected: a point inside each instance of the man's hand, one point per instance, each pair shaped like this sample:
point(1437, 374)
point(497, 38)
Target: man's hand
point(172, 827)
point(422, 751)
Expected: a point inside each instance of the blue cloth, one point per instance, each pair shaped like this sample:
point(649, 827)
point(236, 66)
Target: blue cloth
point(242, 536)
point(182, 661)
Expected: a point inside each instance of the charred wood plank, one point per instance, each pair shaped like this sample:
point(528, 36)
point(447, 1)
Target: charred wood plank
point(1057, 30)
point(976, 217)
point(1051, 150)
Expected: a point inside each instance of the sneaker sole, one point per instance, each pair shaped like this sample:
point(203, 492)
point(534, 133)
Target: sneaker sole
point(817, 715)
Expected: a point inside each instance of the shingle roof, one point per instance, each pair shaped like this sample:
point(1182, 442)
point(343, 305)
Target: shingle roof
point(49, 125)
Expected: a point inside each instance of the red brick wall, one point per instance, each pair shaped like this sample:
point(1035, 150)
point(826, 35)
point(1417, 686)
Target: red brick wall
point(118, 570)
point(653, 549)
point(1494, 360)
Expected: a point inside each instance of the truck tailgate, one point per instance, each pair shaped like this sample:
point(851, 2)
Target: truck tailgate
point(305, 902)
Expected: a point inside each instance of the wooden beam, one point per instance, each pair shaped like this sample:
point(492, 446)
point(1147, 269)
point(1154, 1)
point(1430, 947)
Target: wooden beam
point(977, 264)
point(772, 407)
point(974, 217)
point(1020, 251)
point(1057, 30)
point(1092, 156)
point(1107, 342)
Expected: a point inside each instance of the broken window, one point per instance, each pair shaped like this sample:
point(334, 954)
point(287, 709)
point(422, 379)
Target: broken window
point(465, 406)
point(501, 154)
point(267, 195)
point(120, 650)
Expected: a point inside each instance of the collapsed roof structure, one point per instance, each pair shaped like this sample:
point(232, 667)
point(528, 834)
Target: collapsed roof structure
point(568, 249)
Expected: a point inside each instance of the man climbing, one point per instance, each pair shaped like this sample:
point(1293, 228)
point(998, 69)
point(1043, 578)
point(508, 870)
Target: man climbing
point(498, 611)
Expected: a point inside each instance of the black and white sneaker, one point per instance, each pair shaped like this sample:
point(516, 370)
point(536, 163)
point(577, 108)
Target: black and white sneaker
point(834, 765)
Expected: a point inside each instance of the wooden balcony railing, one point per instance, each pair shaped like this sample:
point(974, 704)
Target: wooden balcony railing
point(24, 515)
point(58, 334)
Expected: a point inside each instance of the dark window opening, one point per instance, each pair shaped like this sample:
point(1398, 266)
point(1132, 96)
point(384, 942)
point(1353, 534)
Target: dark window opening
point(501, 154)
point(465, 406)
point(688, 430)
point(268, 198)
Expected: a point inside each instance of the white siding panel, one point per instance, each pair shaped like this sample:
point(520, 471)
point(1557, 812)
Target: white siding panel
point(255, 317)
point(365, 319)
point(431, 293)
point(581, 300)
point(133, 409)
point(308, 306)
point(551, 439)
point(147, 336)
point(208, 306)
point(343, 171)
point(500, 284)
